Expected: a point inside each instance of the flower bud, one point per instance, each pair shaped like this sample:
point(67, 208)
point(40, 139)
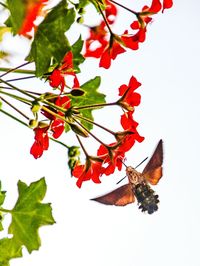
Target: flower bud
point(79, 130)
point(33, 123)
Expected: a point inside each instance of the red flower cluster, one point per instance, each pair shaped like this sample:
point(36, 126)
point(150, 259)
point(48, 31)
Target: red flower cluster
point(109, 157)
point(108, 47)
point(57, 78)
point(33, 9)
point(56, 126)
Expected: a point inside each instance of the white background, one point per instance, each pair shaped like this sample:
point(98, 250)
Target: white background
point(88, 233)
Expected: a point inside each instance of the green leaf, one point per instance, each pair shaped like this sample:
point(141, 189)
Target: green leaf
point(29, 214)
point(17, 12)
point(9, 250)
point(91, 96)
point(77, 56)
point(2, 198)
point(50, 41)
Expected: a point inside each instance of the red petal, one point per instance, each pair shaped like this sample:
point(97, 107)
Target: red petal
point(167, 4)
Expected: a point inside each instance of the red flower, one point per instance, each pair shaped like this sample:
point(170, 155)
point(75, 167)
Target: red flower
point(92, 170)
point(111, 52)
point(57, 78)
point(129, 98)
point(130, 125)
point(112, 159)
point(144, 19)
point(167, 4)
point(98, 37)
point(32, 10)
point(41, 141)
point(111, 12)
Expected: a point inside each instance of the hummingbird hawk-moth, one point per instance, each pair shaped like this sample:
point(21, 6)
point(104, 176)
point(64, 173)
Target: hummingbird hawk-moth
point(138, 185)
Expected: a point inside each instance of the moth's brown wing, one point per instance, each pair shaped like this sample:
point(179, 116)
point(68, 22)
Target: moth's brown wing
point(153, 170)
point(119, 197)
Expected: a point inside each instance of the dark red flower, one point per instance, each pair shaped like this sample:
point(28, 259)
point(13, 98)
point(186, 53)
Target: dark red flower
point(97, 41)
point(92, 170)
point(112, 158)
point(57, 78)
point(32, 10)
point(129, 124)
point(167, 4)
point(129, 98)
point(41, 141)
point(110, 53)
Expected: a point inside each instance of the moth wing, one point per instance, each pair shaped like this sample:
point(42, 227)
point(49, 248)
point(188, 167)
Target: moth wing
point(118, 197)
point(153, 170)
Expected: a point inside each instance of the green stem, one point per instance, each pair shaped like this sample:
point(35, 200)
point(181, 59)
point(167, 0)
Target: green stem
point(126, 8)
point(5, 210)
point(13, 107)
point(18, 79)
point(104, 18)
point(60, 142)
point(16, 70)
point(16, 97)
point(2, 4)
point(93, 106)
point(94, 123)
point(23, 123)
point(13, 117)
point(83, 148)
point(90, 133)
point(17, 89)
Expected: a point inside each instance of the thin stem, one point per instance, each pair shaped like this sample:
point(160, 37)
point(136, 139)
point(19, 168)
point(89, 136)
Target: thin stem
point(2, 4)
point(104, 18)
point(93, 106)
point(13, 117)
point(60, 142)
point(83, 148)
point(8, 70)
point(96, 124)
point(23, 123)
point(18, 79)
point(126, 8)
point(16, 109)
point(53, 113)
point(17, 89)
point(5, 210)
point(90, 133)
point(16, 97)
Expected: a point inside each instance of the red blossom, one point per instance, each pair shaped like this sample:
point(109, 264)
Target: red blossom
point(111, 52)
point(167, 4)
point(33, 8)
point(92, 170)
point(98, 36)
point(57, 78)
point(144, 18)
point(110, 12)
point(129, 124)
point(41, 141)
point(129, 98)
point(112, 159)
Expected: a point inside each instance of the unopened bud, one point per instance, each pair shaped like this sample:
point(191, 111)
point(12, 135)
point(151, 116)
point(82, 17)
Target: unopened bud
point(33, 123)
point(79, 130)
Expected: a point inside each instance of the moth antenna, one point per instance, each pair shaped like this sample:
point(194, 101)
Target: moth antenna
point(123, 162)
point(141, 162)
point(121, 179)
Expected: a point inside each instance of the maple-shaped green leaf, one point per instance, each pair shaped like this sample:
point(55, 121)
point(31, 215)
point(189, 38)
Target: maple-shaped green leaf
point(91, 96)
point(50, 41)
point(17, 12)
point(77, 56)
point(2, 198)
point(9, 249)
point(29, 214)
